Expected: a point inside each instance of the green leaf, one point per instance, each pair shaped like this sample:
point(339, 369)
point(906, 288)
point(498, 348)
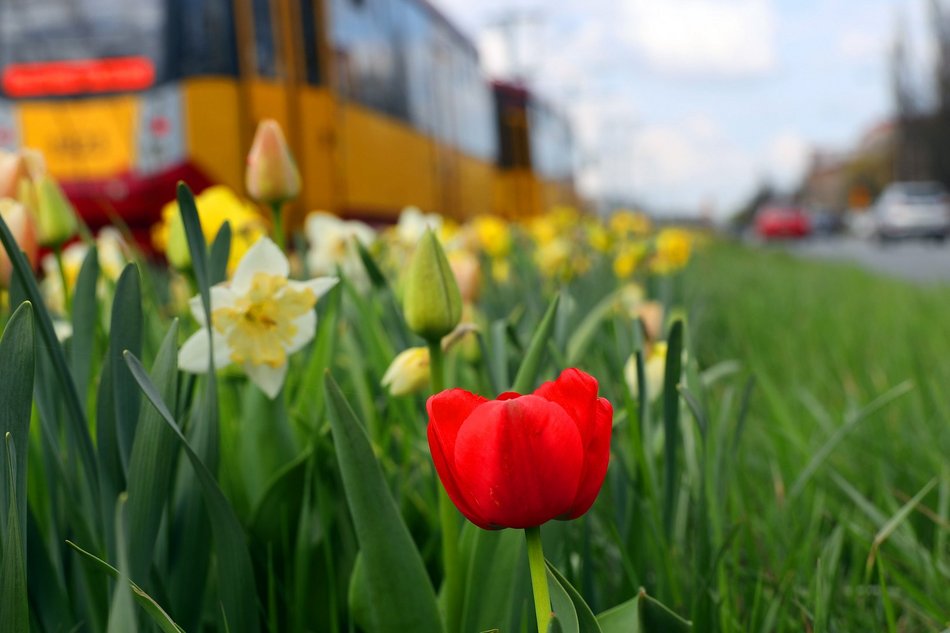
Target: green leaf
point(401, 597)
point(311, 394)
point(145, 601)
point(642, 614)
point(531, 365)
point(14, 612)
point(569, 606)
point(588, 327)
point(671, 419)
point(234, 569)
point(376, 276)
point(16, 401)
point(276, 515)
point(85, 317)
point(78, 430)
point(122, 612)
point(220, 253)
point(152, 462)
point(491, 581)
point(125, 334)
point(196, 243)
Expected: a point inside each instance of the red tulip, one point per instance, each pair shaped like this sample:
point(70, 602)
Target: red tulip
point(520, 461)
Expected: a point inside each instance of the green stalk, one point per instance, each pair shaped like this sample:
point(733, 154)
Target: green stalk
point(539, 578)
point(448, 515)
point(58, 253)
point(278, 228)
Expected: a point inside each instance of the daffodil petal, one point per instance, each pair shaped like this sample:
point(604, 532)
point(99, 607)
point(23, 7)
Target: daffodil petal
point(306, 326)
point(193, 355)
point(263, 257)
point(268, 379)
point(221, 297)
point(319, 285)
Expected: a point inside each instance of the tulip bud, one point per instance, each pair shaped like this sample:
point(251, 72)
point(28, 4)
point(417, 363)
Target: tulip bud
point(432, 303)
point(22, 227)
point(12, 169)
point(272, 177)
point(408, 373)
point(55, 216)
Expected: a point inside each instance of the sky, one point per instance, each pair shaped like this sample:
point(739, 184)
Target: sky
point(687, 105)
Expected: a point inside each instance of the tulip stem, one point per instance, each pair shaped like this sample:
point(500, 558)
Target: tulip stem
point(279, 237)
point(539, 578)
point(448, 515)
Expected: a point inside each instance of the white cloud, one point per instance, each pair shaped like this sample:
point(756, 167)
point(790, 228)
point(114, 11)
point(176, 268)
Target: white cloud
point(787, 157)
point(727, 37)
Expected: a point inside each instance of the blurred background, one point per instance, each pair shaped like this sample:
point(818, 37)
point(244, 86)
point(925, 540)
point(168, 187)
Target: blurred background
point(776, 118)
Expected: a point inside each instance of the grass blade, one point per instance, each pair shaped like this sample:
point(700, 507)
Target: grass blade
point(85, 317)
point(400, 593)
point(152, 462)
point(530, 367)
point(16, 400)
point(671, 420)
point(219, 255)
point(235, 571)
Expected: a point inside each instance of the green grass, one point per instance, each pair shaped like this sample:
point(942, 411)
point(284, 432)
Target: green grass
point(849, 419)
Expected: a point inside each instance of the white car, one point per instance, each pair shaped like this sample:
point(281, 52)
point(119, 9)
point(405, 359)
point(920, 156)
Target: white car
point(913, 209)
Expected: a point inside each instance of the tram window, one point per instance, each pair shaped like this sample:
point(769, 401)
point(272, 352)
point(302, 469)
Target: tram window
point(265, 45)
point(309, 33)
point(206, 43)
point(57, 30)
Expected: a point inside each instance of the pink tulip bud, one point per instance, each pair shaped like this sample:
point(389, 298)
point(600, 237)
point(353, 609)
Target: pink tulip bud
point(272, 176)
point(12, 169)
point(23, 227)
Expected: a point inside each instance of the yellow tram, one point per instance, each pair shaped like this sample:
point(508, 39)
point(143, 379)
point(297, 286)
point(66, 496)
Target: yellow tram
point(383, 102)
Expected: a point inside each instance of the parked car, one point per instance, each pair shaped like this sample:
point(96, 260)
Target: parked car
point(913, 209)
point(782, 221)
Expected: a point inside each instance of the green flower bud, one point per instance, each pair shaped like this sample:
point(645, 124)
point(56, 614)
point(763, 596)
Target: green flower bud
point(55, 216)
point(431, 303)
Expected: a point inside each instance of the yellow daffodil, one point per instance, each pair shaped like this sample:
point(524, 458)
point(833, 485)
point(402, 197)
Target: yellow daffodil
point(553, 258)
point(626, 223)
point(408, 373)
point(673, 249)
point(654, 368)
point(216, 205)
point(257, 319)
point(493, 234)
point(628, 258)
point(599, 237)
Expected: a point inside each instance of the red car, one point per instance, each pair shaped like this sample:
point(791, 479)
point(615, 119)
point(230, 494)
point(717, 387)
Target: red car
point(776, 222)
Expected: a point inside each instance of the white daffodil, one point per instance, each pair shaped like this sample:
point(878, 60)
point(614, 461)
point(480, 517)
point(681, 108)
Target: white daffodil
point(654, 367)
point(257, 319)
point(332, 245)
point(413, 223)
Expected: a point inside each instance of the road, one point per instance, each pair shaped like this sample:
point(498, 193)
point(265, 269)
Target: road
point(919, 261)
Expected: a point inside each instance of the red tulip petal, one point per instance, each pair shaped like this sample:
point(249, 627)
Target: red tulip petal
point(519, 461)
point(576, 392)
point(508, 395)
point(596, 459)
point(447, 411)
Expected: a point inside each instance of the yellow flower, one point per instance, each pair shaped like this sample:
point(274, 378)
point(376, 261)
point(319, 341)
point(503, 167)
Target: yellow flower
point(628, 258)
point(493, 234)
point(654, 367)
point(542, 230)
point(408, 373)
point(553, 258)
point(599, 237)
point(625, 223)
point(216, 205)
point(563, 217)
point(257, 319)
point(673, 248)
